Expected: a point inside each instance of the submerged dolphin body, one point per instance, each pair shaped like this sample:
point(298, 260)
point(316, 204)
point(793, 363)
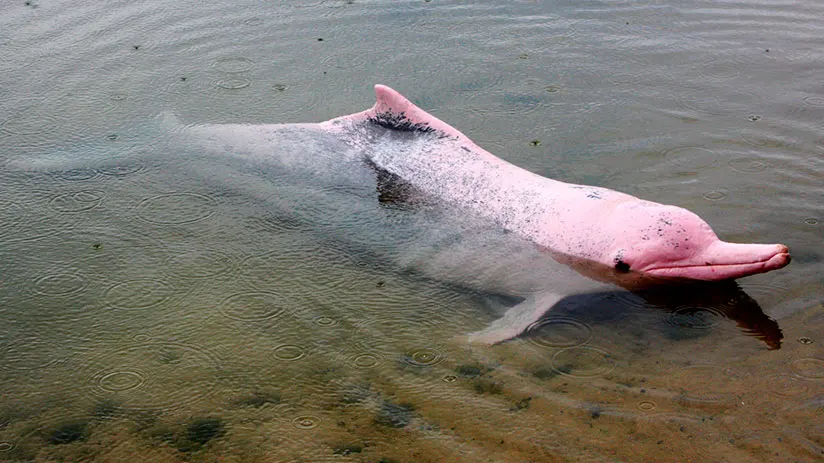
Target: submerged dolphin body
point(609, 237)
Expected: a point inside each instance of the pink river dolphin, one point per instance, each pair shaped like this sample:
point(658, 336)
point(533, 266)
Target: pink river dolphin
point(603, 234)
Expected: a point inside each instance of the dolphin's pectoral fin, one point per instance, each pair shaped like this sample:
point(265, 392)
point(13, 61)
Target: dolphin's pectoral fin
point(517, 319)
point(390, 187)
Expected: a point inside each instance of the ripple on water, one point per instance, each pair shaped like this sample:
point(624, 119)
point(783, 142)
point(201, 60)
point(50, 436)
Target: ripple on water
point(809, 368)
point(806, 440)
point(80, 174)
point(138, 294)
point(199, 263)
point(365, 360)
point(383, 333)
point(816, 101)
point(526, 98)
point(176, 208)
point(706, 385)
point(289, 352)
point(120, 167)
point(423, 357)
point(152, 376)
point(119, 381)
point(233, 64)
point(295, 270)
point(583, 362)
point(32, 117)
point(306, 422)
point(449, 379)
point(346, 60)
point(749, 165)
point(691, 157)
point(705, 101)
point(787, 386)
point(11, 214)
point(558, 332)
point(715, 195)
point(769, 138)
point(305, 437)
point(233, 83)
point(646, 406)
point(77, 201)
point(31, 217)
point(325, 321)
point(31, 354)
point(695, 317)
point(255, 306)
point(766, 294)
point(720, 70)
point(111, 250)
point(118, 96)
point(63, 282)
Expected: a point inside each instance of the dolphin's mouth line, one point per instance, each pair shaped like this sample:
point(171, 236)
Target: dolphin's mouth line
point(709, 265)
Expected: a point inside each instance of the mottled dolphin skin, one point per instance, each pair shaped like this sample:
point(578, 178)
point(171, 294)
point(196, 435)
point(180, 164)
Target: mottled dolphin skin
point(586, 222)
point(605, 235)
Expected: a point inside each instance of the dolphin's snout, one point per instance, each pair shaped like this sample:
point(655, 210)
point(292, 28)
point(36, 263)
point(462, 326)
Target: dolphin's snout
point(725, 261)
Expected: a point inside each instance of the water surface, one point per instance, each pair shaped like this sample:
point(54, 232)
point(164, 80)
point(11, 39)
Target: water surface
point(158, 304)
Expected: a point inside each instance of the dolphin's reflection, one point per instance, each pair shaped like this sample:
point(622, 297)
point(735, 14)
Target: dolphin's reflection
point(687, 297)
point(724, 298)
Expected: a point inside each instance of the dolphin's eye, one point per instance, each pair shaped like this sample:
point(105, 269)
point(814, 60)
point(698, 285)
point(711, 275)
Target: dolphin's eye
point(622, 266)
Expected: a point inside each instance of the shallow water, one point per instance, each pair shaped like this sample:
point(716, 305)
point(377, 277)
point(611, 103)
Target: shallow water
point(160, 305)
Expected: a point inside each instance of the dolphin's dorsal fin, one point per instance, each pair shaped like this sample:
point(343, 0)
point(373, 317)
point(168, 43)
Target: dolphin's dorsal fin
point(392, 110)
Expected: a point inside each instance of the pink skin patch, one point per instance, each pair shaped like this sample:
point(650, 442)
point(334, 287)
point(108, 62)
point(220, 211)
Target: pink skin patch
point(625, 234)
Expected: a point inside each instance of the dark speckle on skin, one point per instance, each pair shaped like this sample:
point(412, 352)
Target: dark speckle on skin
point(620, 265)
point(399, 121)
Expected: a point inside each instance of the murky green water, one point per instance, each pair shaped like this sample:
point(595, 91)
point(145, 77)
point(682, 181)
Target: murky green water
point(164, 306)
